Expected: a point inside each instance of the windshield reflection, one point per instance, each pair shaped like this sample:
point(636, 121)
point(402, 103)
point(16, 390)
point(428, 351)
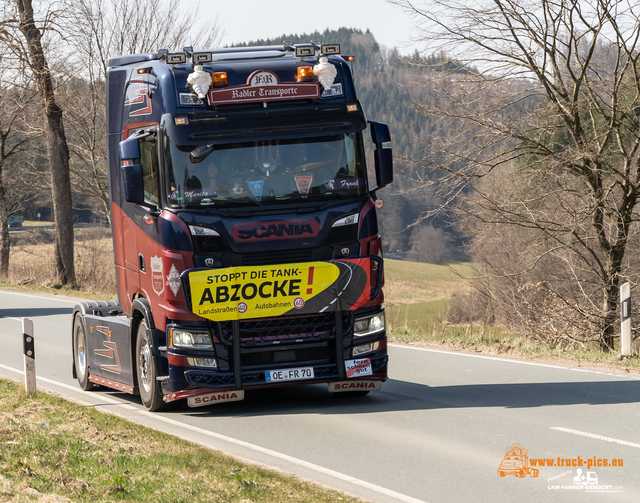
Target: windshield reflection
point(253, 173)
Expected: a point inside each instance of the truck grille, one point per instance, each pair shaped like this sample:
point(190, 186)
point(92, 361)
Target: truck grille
point(277, 257)
point(209, 244)
point(268, 330)
point(346, 234)
point(294, 355)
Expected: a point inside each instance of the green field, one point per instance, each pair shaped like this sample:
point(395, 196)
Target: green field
point(415, 282)
point(418, 296)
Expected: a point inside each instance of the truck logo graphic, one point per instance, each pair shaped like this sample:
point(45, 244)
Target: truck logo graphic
point(138, 94)
point(275, 230)
point(516, 462)
point(157, 275)
point(111, 352)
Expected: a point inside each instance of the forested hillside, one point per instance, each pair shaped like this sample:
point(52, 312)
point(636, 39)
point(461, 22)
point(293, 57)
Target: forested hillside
point(387, 87)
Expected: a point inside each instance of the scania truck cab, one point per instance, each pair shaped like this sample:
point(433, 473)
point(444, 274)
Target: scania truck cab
point(245, 234)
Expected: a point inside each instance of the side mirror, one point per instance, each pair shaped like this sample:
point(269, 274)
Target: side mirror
point(383, 156)
point(129, 149)
point(384, 166)
point(132, 183)
point(379, 133)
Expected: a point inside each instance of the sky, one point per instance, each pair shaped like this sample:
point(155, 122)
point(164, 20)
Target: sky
point(245, 20)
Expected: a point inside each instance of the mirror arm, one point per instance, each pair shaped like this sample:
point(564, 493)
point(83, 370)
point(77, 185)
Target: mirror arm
point(154, 211)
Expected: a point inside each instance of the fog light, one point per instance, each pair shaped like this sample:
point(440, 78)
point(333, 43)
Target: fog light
point(202, 362)
point(370, 325)
point(365, 348)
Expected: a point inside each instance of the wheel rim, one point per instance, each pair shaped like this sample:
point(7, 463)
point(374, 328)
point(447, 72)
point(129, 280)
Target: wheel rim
point(81, 352)
point(145, 366)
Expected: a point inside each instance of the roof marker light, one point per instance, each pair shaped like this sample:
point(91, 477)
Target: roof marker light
point(176, 58)
point(328, 49)
point(305, 73)
point(202, 57)
point(302, 51)
point(349, 58)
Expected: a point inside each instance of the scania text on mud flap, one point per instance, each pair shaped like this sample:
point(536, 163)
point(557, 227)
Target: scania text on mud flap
point(245, 233)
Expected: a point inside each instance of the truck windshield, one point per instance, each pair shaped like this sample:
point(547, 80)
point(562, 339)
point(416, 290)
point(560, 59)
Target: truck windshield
point(264, 172)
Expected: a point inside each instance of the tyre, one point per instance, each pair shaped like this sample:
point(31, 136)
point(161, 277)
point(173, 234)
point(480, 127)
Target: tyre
point(81, 355)
point(146, 371)
point(501, 474)
point(535, 472)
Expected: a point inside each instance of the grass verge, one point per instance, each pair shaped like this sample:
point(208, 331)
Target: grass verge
point(52, 450)
point(423, 324)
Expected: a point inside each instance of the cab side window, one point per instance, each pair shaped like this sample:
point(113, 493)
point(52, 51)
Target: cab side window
point(149, 162)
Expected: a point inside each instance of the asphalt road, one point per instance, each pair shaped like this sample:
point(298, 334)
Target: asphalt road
point(436, 432)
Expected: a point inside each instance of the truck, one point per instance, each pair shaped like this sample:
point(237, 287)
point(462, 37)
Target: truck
point(245, 232)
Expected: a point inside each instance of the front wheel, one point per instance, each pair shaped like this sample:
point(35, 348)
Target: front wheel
point(146, 371)
point(80, 354)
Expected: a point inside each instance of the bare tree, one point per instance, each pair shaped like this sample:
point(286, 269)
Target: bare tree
point(15, 133)
point(429, 244)
point(548, 146)
point(24, 38)
point(99, 30)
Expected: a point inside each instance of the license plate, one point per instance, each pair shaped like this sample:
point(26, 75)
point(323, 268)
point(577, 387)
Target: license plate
point(289, 374)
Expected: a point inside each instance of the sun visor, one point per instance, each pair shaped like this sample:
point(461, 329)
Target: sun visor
point(225, 129)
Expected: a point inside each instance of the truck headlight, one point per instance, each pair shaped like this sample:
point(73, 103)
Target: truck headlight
point(348, 220)
point(369, 325)
point(190, 340)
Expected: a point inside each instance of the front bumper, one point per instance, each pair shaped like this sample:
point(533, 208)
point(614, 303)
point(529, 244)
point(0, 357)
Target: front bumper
point(246, 350)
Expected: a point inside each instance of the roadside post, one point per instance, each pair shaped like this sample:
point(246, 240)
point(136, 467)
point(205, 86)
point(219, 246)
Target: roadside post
point(625, 316)
point(29, 356)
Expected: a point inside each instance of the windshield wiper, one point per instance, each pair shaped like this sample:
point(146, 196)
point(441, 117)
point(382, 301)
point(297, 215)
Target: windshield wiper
point(231, 203)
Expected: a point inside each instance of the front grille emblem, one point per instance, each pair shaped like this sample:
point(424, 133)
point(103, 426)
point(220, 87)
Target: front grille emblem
point(345, 252)
point(208, 262)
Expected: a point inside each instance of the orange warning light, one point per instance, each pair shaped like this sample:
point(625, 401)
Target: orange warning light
point(219, 79)
point(305, 73)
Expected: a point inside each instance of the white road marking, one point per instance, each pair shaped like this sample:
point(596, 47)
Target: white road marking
point(290, 459)
point(43, 297)
point(521, 362)
point(597, 437)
